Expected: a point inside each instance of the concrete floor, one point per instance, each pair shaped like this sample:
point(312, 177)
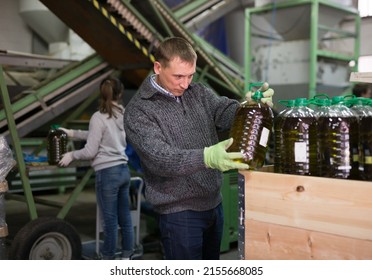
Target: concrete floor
point(82, 216)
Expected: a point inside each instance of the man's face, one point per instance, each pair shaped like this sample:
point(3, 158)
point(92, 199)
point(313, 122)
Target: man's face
point(176, 77)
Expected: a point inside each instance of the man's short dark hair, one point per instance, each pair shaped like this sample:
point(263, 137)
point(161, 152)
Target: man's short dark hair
point(175, 47)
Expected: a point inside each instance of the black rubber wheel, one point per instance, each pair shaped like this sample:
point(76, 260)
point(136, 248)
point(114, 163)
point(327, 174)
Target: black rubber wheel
point(46, 238)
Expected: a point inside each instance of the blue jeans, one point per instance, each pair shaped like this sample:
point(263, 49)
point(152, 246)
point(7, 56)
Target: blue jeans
point(112, 191)
point(192, 235)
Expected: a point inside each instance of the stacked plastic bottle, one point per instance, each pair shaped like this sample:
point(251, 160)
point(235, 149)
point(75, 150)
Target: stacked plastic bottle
point(337, 137)
point(278, 135)
point(298, 153)
point(56, 144)
point(322, 111)
point(363, 109)
point(251, 130)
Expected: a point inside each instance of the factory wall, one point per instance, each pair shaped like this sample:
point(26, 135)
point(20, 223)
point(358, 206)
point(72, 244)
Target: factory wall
point(366, 34)
point(15, 35)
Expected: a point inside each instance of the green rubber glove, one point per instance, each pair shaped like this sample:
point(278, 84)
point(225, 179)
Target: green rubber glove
point(216, 157)
point(267, 95)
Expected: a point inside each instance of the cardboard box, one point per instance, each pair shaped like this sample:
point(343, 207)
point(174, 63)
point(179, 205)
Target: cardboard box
point(291, 217)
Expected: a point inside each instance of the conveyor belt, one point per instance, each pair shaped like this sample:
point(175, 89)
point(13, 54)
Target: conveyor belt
point(123, 37)
point(126, 33)
point(54, 96)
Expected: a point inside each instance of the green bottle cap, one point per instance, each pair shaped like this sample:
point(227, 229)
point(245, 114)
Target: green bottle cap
point(323, 102)
point(358, 101)
point(321, 99)
point(337, 99)
point(257, 95)
point(55, 126)
point(287, 103)
point(301, 102)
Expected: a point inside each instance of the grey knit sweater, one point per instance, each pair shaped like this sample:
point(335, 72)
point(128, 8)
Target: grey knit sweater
point(170, 138)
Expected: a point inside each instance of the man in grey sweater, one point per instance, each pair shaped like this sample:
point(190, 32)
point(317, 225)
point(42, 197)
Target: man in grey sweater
point(173, 125)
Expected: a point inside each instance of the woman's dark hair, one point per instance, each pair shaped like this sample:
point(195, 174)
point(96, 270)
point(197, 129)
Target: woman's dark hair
point(112, 90)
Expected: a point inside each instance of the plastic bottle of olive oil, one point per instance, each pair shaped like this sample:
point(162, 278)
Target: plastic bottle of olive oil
point(363, 109)
point(278, 133)
point(338, 134)
point(299, 152)
point(323, 111)
point(56, 144)
point(251, 130)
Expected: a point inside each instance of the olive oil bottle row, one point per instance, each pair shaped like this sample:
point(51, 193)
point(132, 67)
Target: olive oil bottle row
point(324, 137)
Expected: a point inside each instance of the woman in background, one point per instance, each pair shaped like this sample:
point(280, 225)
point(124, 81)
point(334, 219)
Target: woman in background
point(105, 147)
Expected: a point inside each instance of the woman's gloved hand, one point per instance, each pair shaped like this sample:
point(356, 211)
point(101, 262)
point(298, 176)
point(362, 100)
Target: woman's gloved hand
point(66, 159)
point(266, 92)
point(216, 157)
point(69, 132)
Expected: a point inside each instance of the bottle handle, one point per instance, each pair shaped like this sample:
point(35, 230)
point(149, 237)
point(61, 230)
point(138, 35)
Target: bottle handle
point(257, 95)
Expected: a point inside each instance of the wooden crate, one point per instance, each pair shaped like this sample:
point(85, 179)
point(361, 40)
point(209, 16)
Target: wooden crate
point(292, 217)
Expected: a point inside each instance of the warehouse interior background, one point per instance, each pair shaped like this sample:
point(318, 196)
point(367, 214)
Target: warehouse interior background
point(53, 58)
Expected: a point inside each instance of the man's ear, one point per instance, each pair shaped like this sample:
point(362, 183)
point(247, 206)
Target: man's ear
point(157, 67)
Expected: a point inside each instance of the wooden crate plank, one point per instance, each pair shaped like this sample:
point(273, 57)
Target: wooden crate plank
point(266, 241)
point(334, 206)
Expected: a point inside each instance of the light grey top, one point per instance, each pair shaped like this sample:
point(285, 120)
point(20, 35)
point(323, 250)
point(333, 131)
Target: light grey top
point(106, 141)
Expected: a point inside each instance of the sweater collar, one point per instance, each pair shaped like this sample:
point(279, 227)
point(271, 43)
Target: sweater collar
point(150, 88)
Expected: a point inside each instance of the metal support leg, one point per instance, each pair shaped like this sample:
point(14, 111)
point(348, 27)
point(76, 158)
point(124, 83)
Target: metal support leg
point(3, 225)
point(75, 193)
point(17, 147)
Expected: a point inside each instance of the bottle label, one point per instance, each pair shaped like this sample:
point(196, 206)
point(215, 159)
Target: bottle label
point(344, 167)
point(264, 136)
point(300, 152)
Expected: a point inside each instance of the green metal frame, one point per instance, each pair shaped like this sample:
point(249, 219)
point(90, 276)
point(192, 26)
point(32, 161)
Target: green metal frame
point(16, 145)
point(66, 75)
point(315, 53)
point(23, 169)
point(189, 8)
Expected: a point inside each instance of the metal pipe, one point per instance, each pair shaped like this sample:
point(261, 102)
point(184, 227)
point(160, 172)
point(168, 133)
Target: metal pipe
point(3, 225)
